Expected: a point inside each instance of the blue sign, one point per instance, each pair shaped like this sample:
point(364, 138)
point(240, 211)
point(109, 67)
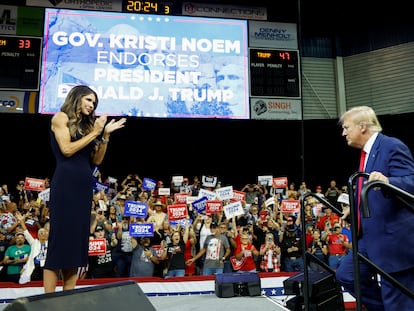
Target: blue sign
point(141, 230)
point(136, 208)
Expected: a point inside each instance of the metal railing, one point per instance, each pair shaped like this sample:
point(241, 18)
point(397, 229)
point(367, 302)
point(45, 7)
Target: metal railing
point(391, 191)
point(306, 255)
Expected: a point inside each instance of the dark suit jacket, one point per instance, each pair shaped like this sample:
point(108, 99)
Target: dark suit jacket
point(389, 232)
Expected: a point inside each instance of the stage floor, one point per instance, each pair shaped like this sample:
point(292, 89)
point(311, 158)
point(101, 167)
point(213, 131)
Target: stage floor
point(212, 302)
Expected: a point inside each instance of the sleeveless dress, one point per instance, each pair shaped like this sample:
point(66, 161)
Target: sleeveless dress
point(71, 193)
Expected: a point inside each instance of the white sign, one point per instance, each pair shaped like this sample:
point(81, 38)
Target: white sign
point(210, 195)
point(275, 109)
point(233, 209)
point(164, 191)
point(273, 35)
point(225, 193)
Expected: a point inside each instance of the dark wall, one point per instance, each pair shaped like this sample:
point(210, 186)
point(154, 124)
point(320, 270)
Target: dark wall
point(327, 156)
point(234, 150)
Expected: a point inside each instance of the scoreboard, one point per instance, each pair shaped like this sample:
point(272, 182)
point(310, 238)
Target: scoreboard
point(20, 62)
point(274, 73)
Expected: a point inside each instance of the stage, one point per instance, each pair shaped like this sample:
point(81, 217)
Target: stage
point(181, 293)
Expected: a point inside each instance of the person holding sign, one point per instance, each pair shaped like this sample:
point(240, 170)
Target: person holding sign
point(79, 141)
point(101, 265)
point(175, 252)
point(144, 257)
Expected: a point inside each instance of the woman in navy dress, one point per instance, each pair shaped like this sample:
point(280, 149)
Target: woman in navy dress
point(75, 133)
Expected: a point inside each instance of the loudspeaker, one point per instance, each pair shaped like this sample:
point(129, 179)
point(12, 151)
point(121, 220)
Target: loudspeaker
point(325, 293)
point(114, 296)
point(237, 284)
point(333, 303)
point(319, 283)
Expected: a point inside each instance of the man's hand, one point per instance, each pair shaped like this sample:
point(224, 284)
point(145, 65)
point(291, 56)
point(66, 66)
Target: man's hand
point(378, 176)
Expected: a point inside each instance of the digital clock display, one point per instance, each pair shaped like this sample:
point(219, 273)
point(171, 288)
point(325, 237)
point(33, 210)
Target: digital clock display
point(147, 7)
point(20, 62)
point(274, 73)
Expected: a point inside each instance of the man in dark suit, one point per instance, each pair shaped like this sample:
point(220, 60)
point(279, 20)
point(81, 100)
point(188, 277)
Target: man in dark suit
point(387, 236)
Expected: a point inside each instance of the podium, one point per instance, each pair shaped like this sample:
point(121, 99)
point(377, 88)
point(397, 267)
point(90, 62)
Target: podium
point(237, 284)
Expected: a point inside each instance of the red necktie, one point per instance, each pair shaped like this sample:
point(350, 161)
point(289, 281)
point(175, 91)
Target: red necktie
point(360, 184)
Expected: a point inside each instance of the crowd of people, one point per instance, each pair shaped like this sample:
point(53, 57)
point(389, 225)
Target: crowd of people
point(264, 238)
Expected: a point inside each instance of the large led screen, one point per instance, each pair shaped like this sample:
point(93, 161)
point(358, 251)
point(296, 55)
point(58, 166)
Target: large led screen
point(147, 65)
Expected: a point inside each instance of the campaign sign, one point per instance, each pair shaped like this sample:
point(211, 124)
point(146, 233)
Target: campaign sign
point(180, 198)
point(213, 207)
point(211, 195)
point(225, 193)
point(164, 191)
point(209, 181)
point(177, 211)
point(97, 247)
point(101, 187)
point(34, 184)
point(280, 182)
point(290, 206)
point(200, 205)
point(148, 184)
point(44, 195)
point(265, 180)
point(239, 195)
point(233, 209)
point(136, 208)
point(181, 222)
point(159, 249)
point(177, 180)
point(141, 230)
